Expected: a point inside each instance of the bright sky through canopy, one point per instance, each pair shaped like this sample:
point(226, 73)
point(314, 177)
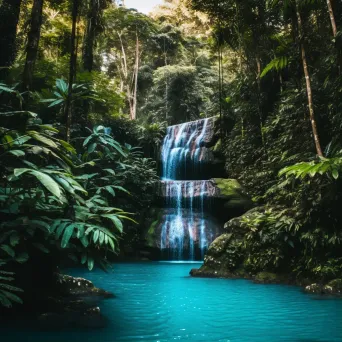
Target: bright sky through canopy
point(144, 6)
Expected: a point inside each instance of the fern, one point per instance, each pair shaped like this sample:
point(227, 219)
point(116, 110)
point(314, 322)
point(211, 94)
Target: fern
point(7, 295)
point(277, 64)
point(331, 167)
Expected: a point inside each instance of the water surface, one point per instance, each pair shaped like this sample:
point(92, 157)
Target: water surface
point(160, 302)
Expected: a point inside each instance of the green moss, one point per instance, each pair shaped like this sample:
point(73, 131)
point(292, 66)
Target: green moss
point(241, 273)
point(218, 146)
point(266, 277)
point(150, 236)
point(229, 187)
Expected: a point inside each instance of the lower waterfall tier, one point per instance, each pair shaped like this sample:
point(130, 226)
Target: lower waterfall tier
point(182, 234)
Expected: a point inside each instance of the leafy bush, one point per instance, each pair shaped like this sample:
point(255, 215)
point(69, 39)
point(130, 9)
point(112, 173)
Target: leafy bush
point(54, 201)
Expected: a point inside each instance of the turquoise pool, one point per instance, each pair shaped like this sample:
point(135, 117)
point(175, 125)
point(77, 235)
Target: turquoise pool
point(160, 302)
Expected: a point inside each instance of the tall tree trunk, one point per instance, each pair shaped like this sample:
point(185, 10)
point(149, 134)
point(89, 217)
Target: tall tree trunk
point(72, 69)
point(308, 82)
point(258, 77)
point(9, 18)
point(334, 29)
point(33, 42)
point(166, 83)
point(136, 74)
point(89, 39)
point(332, 17)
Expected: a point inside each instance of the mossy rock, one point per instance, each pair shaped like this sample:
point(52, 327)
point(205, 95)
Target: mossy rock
point(220, 244)
point(238, 226)
point(334, 287)
point(151, 233)
point(229, 187)
point(336, 284)
point(222, 259)
point(266, 278)
point(314, 289)
point(218, 147)
point(233, 193)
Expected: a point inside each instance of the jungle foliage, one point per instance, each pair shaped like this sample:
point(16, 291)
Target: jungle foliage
point(284, 141)
point(70, 177)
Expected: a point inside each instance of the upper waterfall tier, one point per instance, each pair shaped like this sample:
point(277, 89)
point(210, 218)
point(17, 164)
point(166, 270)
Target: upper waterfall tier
point(185, 146)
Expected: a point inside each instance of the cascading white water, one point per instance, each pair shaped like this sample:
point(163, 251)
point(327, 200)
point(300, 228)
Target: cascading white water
point(183, 144)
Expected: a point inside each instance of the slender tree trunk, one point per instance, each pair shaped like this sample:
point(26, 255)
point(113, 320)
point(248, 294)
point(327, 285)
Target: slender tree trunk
point(332, 18)
point(124, 76)
point(261, 119)
point(136, 74)
point(72, 69)
point(308, 83)
point(33, 42)
point(334, 29)
point(89, 40)
point(9, 18)
point(166, 82)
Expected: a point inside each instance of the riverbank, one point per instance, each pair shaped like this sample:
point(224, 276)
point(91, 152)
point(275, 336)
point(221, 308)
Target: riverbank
point(331, 288)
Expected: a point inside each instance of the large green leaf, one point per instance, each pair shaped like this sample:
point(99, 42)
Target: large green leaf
point(45, 140)
point(44, 179)
point(68, 232)
point(12, 297)
point(22, 257)
point(9, 250)
point(90, 263)
point(117, 222)
point(17, 153)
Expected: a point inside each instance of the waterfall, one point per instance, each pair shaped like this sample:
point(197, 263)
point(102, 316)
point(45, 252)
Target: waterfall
point(185, 226)
point(181, 144)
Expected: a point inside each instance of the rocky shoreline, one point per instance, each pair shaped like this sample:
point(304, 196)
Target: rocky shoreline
point(225, 259)
point(70, 303)
point(332, 288)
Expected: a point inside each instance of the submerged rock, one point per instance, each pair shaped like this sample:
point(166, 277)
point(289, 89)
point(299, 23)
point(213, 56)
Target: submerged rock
point(73, 303)
point(87, 318)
